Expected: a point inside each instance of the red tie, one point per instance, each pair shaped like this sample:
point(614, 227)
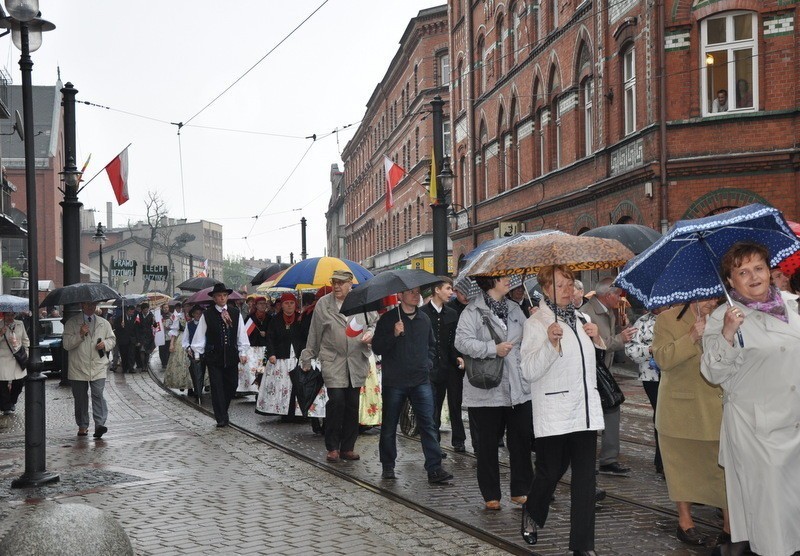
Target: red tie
point(226, 317)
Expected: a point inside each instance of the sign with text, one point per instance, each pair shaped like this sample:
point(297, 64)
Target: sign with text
point(122, 267)
point(155, 272)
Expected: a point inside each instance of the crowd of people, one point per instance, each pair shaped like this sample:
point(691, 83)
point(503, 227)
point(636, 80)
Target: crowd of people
point(725, 410)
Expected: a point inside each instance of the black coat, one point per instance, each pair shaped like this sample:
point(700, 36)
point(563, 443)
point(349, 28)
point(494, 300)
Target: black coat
point(255, 337)
point(144, 331)
point(444, 325)
point(125, 334)
point(282, 337)
point(405, 360)
point(222, 346)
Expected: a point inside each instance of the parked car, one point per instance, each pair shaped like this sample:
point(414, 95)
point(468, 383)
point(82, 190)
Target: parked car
point(51, 348)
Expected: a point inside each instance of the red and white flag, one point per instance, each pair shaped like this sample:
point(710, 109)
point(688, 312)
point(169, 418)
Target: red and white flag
point(249, 326)
point(354, 328)
point(117, 171)
point(394, 174)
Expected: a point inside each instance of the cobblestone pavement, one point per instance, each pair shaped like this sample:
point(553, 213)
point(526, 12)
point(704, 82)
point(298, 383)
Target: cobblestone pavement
point(178, 485)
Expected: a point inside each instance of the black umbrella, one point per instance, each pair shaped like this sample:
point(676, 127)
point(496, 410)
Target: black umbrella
point(197, 371)
point(131, 300)
point(79, 293)
point(198, 283)
point(306, 386)
point(369, 295)
point(633, 236)
point(268, 271)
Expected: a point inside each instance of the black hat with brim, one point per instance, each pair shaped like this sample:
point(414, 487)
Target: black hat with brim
point(219, 288)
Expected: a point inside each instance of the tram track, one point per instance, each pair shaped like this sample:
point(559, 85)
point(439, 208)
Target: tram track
point(488, 537)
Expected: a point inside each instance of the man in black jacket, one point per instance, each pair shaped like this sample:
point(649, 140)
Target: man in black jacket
point(125, 330)
point(145, 341)
point(447, 374)
point(222, 340)
point(404, 339)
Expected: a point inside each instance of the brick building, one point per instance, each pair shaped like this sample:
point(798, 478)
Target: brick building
point(573, 115)
point(397, 123)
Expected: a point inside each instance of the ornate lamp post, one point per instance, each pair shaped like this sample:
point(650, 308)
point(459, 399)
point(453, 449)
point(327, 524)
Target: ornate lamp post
point(26, 33)
point(100, 238)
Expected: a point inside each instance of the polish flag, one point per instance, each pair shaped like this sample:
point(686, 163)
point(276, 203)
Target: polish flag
point(394, 174)
point(249, 326)
point(117, 171)
point(353, 328)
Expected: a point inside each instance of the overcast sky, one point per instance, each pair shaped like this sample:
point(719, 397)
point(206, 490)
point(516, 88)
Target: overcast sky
point(154, 63)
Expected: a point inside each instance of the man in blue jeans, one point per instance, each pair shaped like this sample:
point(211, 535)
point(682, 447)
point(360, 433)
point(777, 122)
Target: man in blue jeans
point(404, 338)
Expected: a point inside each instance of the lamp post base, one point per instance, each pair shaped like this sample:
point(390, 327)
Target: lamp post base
point(36, 479)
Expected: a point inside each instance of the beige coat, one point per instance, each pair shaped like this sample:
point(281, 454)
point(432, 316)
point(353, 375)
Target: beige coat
point(344, 361)
point(688, 406)
point(9, 368)
point(84, 361)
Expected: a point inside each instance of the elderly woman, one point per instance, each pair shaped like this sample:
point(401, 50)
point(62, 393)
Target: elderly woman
point(344, 362)
point(760, 438)
point(688, 417)
point(558, 359)
point(509, 402)
point(12, 376)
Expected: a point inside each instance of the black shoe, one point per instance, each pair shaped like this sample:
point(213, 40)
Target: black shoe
point(388, 473)
point(439, 476)
point(614, 469)
point(100, 431)
point(691, 536)
point(221, 424)
point(530, 533)
point(599, 494)
point(444, 454)
point(460, 448)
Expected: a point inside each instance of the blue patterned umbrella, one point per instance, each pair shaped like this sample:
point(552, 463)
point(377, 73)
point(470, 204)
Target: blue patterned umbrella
point(13, 304)
point(684, 264)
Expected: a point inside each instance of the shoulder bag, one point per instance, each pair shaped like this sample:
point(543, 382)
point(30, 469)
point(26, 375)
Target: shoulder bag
point(485, 373)
point(21, 355)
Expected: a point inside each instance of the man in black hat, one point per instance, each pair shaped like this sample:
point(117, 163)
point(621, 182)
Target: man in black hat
point(222, 339)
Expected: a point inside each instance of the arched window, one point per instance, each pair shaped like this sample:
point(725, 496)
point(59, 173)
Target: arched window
point(513, 34)
point(480, 66)
point(555, 119)
point(462, 176)
point(501, 54)
point(461, 86)
point(629, 88)
point(502, 174)
point(512, 151)
point(587, 103)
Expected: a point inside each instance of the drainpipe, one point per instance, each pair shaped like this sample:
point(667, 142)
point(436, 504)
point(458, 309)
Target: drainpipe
point(662, 93)
point(471, 121)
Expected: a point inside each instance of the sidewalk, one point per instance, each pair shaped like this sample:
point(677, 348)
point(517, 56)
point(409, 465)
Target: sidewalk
point(179, 485)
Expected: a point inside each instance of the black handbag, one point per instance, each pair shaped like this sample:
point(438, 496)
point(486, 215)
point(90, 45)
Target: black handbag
point(485, 373)
point(21, 355)
point(610, 394)
point(306, 385)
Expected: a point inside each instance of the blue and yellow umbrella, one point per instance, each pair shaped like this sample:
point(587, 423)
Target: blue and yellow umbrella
point(316, 272)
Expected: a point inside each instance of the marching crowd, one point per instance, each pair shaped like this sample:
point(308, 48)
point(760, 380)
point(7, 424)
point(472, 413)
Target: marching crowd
point(725, 408)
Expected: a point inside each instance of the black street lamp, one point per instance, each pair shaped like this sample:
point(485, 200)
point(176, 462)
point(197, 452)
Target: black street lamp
point(26, 33)
point(439, 204)
point(100, 238)
point(22, 261)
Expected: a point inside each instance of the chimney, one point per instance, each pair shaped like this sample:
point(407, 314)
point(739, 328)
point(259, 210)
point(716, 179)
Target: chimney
point(109, 214)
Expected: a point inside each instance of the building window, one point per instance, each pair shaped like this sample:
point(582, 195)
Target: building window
point(541, 141)
point(555, 13)
point(588, 123)
point(462, 175)
point(444, 69)
point(629, 90)
point(482, 65)
point(729, 57)
point(446, 138)
point(461, 87)
point(416, 79)
point(122, 255)
point(501, 53)
point(513, 35)
point(557, 135)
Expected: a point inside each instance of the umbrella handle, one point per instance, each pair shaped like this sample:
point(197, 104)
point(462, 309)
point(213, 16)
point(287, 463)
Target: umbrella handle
point(738, 331)
point(704, 243)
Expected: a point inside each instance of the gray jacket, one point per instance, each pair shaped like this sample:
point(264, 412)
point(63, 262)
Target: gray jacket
point(473, 339)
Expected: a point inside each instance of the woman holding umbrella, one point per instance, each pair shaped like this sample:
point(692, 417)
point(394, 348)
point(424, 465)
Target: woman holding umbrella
point(286, 341)
point(12, 375)
point(558, 363)
point(760, 437)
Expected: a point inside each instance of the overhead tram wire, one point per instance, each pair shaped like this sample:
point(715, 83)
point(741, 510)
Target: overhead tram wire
point(264, 57)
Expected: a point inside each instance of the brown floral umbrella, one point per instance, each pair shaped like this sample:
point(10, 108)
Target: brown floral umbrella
point(575, 252)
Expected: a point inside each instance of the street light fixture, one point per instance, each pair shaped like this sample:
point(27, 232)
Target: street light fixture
point(21, 260)
point(100, 237)
point(26, 33)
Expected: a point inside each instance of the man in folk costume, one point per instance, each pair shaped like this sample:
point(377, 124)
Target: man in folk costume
point(344, 361)
point(260, 317)
point(221, 338)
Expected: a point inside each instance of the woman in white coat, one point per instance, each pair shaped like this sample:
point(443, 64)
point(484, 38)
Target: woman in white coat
point(558, 358)
point(760, 436)
point(12, 376)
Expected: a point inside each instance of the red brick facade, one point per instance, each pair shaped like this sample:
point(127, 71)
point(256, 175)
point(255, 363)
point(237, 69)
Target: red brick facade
point(530, 77)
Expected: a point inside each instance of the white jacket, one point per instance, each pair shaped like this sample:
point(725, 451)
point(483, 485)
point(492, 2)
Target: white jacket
point(563, 387)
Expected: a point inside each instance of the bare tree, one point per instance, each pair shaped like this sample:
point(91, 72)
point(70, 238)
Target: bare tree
point(156, 212)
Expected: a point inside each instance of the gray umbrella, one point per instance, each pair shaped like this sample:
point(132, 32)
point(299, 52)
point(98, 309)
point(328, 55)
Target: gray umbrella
point(13, 304)
point(198, 283)
point(79, 293)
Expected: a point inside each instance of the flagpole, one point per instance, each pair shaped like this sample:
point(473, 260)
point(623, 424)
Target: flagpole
point(103, 169)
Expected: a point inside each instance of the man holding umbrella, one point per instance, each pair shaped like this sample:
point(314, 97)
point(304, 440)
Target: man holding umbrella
point(87, 339)
point(406, 342)
point(222, 338)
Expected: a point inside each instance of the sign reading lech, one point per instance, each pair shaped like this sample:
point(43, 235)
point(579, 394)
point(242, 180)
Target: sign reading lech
point(154, 272)
point(122, 267)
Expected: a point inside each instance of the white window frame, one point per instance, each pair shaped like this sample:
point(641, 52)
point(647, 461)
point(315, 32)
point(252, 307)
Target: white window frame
point(588, 122)
point(444, 69)
point(629, 90)
point(558, 137)
point(447, 138)
point(730, 46)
